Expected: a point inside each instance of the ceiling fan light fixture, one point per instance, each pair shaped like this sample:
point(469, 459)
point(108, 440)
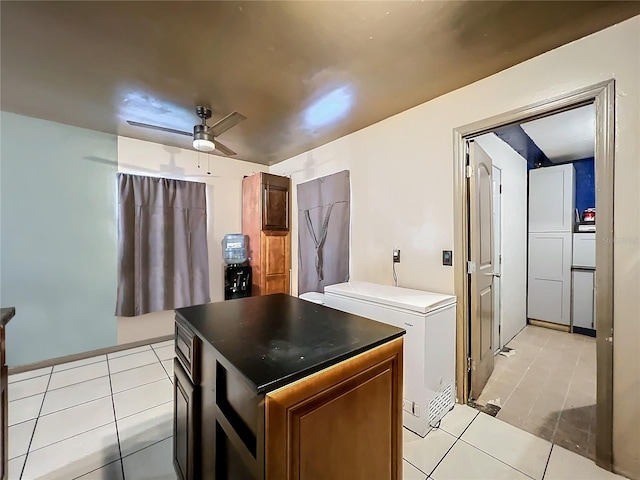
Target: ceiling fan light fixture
point(204, 145)
point(202, 141)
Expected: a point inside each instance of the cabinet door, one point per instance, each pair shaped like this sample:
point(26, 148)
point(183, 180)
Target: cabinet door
point(276, 258)
point(583, 301)
point(275, 203)
point(549, 293)
point(186, 425)
point(344, 422)
point(551, 199)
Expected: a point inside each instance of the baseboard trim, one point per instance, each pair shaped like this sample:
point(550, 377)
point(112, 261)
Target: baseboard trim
point(545, 324)
point(589, 332)
point(82, 355)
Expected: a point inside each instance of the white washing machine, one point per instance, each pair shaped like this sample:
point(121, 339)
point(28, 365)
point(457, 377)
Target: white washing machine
point(429, 345)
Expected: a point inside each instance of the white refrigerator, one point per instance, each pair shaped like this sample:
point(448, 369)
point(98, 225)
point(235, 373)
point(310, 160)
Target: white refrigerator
point(551, 221)
point(429, 344)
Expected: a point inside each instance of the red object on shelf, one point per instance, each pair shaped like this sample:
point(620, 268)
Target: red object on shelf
point(589, 215)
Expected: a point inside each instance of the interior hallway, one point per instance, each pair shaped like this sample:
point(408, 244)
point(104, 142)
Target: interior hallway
point(548, 387)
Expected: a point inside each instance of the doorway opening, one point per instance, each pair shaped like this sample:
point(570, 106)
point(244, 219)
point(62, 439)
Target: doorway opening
point(530, 238)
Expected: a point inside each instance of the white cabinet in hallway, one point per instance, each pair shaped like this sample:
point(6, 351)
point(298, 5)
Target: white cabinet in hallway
point(583, 307)
point(550, 277)
point(552, 194)
point(551, 217)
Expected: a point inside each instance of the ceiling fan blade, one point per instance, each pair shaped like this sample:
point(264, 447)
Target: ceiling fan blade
point(162, 129)
point(224, 149)
point(226, 123)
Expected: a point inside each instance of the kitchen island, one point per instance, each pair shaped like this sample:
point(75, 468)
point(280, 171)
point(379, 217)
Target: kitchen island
point(277, 388)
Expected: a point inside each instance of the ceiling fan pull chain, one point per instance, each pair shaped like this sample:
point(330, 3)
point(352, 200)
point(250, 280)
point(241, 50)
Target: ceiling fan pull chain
point(208, 164)
point(198, 159)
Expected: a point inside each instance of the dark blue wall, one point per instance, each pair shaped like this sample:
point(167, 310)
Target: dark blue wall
point(517, 138)
point(585, 184)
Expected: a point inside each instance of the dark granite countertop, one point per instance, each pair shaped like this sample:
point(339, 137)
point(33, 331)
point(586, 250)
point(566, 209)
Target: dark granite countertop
point(6, 315)
point(275, 340)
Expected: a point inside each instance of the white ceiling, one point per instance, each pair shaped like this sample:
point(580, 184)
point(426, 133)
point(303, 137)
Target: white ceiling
point(565, 136)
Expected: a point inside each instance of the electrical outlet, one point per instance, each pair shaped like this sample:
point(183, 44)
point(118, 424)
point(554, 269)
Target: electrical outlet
point(396, 255)
point(447, 258)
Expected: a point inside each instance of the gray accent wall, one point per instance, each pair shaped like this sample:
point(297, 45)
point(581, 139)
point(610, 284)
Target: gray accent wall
point(57, 238)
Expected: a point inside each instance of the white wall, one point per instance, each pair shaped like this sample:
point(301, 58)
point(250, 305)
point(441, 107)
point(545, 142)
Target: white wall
point(513, 282)
point(402, 189)
point(224, 212)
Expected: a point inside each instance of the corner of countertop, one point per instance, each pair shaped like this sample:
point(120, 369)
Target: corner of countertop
point(6, 314)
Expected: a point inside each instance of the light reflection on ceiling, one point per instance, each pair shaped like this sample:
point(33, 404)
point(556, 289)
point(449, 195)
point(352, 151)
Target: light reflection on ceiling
point(143, 107)
point(329, 109)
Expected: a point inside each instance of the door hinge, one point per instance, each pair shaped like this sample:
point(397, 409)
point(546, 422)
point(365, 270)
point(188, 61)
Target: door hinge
point(500, 189)
point(469, 171)
point(469, 364)
point(471, 267)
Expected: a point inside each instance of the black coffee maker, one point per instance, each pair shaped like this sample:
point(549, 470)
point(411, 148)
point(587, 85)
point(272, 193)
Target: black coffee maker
point(237, 271)
point(237, 281)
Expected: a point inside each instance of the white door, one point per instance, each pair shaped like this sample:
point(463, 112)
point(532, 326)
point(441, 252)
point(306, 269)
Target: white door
point(497, 257)
point(481, 277)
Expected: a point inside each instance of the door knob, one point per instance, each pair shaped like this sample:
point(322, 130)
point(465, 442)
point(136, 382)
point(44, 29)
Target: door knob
point(493, 274)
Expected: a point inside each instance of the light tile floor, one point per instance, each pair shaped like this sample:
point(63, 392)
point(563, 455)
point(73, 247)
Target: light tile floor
point(110, 418)
point(105, 417)
point(548, 387)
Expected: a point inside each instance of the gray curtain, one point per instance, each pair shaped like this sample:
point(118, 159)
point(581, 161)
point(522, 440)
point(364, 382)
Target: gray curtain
point(162, 245)
point(323, 232)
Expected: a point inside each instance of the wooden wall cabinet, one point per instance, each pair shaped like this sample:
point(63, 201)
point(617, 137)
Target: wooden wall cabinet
point(265, 219)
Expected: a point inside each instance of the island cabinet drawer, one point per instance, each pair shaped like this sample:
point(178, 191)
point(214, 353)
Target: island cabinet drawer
point(188, 347)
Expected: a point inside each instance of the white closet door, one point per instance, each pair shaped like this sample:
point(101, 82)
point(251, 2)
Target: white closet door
point(549, 296)
point(551, 199)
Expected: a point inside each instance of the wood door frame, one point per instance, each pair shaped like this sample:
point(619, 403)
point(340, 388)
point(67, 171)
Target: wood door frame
point(602, 96)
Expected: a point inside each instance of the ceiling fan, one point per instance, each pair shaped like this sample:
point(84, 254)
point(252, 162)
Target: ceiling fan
point(203, 135)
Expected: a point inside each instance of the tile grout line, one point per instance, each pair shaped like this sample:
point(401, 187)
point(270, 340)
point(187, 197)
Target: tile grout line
point(88, 401)
point(115, 421)
point(443, 457)
point(35, 425)
point(100, 426)
point(78, 366)
point(162, 365)
point(94, 470)
point(144, 448)
point(496, 458)
point(455, 441)
point(46, 390)
point(106, 359)
point(30, 378)
point(547, 464)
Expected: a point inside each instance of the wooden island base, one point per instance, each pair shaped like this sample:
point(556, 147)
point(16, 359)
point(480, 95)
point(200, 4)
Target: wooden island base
point(342, 423)
point(321, 401)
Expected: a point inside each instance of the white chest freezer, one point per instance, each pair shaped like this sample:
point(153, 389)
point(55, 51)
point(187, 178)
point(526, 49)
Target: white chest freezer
point(429, 345)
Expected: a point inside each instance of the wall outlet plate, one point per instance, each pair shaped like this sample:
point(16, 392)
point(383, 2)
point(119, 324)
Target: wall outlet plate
point(396, 255)
point(447, 258)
